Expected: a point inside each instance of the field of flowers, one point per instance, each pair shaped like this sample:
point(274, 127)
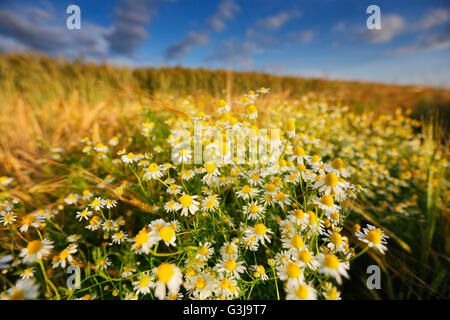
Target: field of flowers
point(254, 196)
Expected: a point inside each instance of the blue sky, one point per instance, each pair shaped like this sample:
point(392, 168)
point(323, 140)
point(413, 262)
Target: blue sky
point(322, 38)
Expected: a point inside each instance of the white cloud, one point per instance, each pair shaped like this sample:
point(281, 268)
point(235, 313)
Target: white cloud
point(304, 36)
point(391, 26)
point(227, 11)
point(278, 20)
point(426, 43)
point(434, 18)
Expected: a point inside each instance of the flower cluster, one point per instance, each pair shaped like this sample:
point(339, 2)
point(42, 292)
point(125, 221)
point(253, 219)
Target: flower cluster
point(266, 217)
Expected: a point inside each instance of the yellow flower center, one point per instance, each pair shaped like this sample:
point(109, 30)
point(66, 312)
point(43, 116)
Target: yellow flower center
point(246, 189)
point(96, 203)
point(255, 176)
point(302, 292)
point(299, 151)
point(304, 256)
point(270, 187)
point(299, 214)
point(290, 125)
point(130, 155)
point(186, 200)
point(165, 272)
point(297, 241)
point(336, 238)
point(203, 251)
point(331, 261)
point(166, 233)
point(64, 254)
point(141, 238)
point(224, 283)
point(230, 265)
point(312, 217)
point(145, 280)
point(327, 200)
point(210, 204)
point(153, 167)
point(280, 196)
point(260, 229)
point(200, 283)
point(229, 249)
point(331, 179)
point(254, 208)
point(34, 246)
point(293, 270)
point(337, 164)
point(210, 167)
point(374, 236)
point(251, 109)
point(332, 294)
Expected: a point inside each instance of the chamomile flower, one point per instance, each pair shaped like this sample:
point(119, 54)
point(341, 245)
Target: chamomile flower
point(27, 273)
point(86, 195)
point(103, 264)
point(304, 258)
point(259, 231)
point(95, 223)
point(97, 204)
point(326, 203)
point(200, 286)
point(72, 199)
point(331, 293)
point(337, 166)
point(300, 291)
point(30, 220)
point(330, 185)
point(246, 192)
point(187, 175)
point(255, 178)
point(336, 242)
point(282, 199)
point(143, 285)
point(119, 237)
point(184, 156)
point(259, 272)
point(205, 251)
point(165, 232)
point(188, 204)
point(374, 237)
point(36, 250)
point(229, 250)
point(4, 180)
point(65, 256)
point(171, 206)
point(143, 242)
point(231, 267)
point(167, 275)
point(127, 272)
point(299, 155)
point(294, 243)
point(7, 217)
point(331, 265)
point(210, 203)
point(254, 210)
point(85, 214)
point(152, 172)
point(24, 289)
point(290, 271)
point(110, 203)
